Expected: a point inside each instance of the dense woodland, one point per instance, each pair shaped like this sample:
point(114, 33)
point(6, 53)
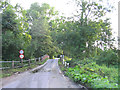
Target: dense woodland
point(86, 37)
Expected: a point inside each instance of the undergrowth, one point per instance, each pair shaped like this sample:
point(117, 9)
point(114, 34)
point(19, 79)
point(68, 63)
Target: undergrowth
point(88, 73)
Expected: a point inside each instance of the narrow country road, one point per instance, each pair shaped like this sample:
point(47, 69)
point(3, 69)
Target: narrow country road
point(49, 76)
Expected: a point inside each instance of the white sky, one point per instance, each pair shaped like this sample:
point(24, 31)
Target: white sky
point(68, 9)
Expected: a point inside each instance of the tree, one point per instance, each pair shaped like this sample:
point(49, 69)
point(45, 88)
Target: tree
point(39, 17)
point(14, 36)
point(78, 36)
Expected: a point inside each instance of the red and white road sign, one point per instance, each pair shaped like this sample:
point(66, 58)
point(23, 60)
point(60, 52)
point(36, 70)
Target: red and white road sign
point(21, 51)
point(21, 56)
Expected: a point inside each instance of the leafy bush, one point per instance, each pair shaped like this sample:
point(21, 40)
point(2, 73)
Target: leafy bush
point(67, 58)
point(94, 80)
point(108, 57)
point(73, 62)
point(90, 73)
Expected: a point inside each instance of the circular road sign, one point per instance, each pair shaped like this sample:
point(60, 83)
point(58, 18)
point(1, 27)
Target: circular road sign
point(21, 51)
point(21, 56)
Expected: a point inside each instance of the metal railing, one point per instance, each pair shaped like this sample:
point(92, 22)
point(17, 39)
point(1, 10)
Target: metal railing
point(63, 61)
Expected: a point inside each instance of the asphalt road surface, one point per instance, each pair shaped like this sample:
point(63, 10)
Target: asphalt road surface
point(49, 76)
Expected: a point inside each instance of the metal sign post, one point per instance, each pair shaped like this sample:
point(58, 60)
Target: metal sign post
point(21, 56)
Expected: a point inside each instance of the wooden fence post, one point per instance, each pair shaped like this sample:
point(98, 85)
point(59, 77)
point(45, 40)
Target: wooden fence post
point(12, 64)
point(22, 62)
point(29, 62)
point(35, 60)
point(41, 58)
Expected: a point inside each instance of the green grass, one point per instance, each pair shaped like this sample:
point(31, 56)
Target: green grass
point(9, 72)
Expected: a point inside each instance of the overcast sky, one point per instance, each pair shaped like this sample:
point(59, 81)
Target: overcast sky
point(68, 9)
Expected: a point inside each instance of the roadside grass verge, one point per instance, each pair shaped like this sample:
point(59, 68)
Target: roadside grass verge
point(9, 72)
point(91, 75)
